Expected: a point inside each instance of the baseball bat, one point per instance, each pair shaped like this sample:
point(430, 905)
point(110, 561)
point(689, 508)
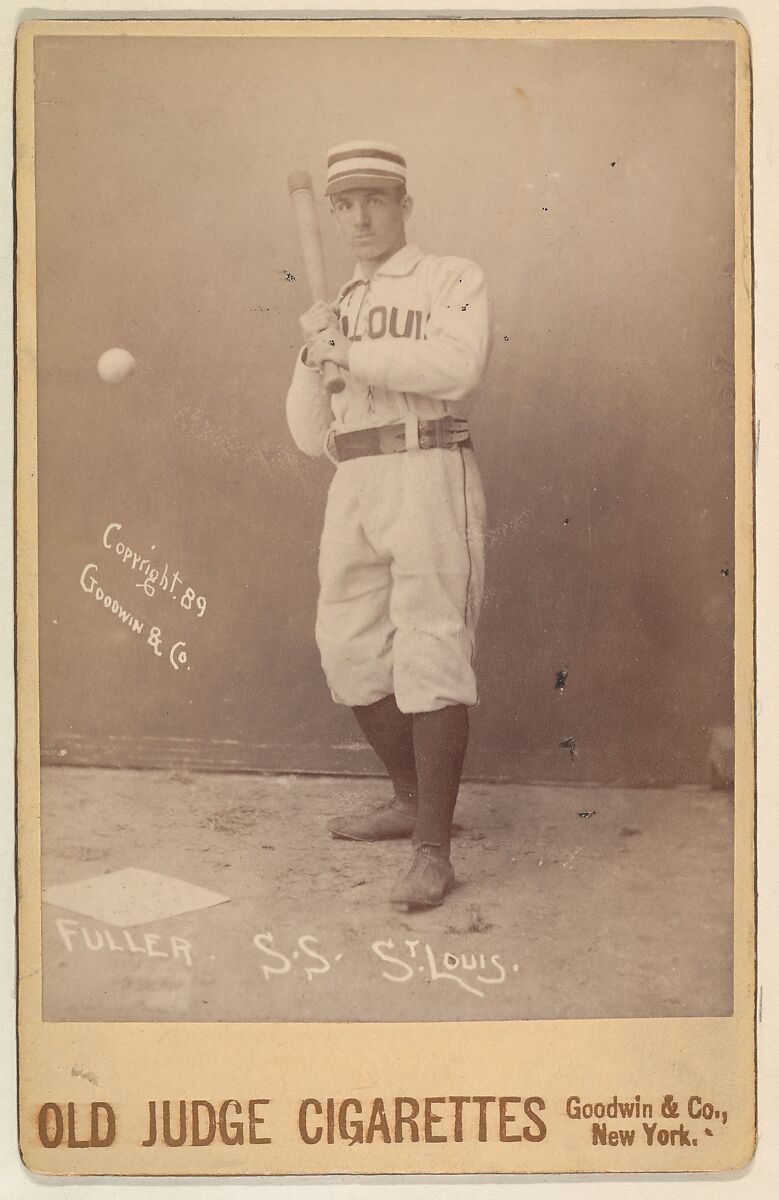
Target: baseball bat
point(301, 194)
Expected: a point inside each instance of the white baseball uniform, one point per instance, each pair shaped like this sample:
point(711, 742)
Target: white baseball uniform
point(401, 563)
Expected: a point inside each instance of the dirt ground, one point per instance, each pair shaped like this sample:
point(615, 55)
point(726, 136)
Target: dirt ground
point(570, 903)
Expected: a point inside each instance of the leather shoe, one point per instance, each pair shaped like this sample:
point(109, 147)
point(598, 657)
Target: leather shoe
point(427, 880)
point(390, 821)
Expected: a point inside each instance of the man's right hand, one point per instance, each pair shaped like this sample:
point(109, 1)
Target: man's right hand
point(319, 317)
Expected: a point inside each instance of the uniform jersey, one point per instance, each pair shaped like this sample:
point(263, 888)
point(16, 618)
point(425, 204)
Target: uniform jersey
point(420, 339)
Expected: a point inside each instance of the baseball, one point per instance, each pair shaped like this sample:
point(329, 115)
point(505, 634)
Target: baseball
point(115, 365)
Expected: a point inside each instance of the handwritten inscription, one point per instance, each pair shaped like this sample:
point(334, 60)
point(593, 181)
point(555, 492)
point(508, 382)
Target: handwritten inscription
point(305, 954)
point(122, 941)
point(471, 972)
point(400, 962)
point(90, 585)
point(153, 578)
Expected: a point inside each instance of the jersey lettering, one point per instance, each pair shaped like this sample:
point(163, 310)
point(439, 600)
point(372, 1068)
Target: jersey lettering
point(377, 322)
point(393, 324)
point(408, 323)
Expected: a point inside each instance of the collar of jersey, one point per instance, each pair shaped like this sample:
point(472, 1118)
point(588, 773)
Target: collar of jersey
point(401, 263)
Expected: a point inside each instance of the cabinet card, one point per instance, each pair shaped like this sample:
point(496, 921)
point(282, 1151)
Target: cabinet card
point(384, 398)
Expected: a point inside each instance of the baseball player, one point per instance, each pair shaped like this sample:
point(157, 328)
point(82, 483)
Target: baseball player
point(401, 564)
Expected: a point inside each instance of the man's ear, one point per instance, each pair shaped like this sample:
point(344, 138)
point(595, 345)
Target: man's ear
point(407, 205)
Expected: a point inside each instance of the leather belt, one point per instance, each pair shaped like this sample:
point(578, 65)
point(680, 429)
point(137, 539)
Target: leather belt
point(444, 433)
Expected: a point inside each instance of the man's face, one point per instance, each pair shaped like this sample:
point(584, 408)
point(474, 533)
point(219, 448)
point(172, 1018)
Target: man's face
point(372, 221)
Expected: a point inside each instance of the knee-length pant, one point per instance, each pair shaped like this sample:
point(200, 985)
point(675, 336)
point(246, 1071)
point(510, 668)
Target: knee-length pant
point(401, 571)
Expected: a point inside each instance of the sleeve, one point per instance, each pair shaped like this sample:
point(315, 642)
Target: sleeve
point(448, 364)
point(308, 409)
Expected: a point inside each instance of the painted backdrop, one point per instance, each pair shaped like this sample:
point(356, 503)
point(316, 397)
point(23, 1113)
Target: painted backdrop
point(594, 183)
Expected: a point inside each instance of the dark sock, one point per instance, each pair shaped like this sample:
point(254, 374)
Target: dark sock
point(440, 742)
point(389, 733)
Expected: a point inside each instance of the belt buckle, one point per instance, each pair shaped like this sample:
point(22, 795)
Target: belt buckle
point(429, 435)
point(445, 433)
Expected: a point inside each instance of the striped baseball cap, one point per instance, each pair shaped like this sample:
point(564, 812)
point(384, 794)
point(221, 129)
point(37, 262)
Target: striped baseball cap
point(364, 164)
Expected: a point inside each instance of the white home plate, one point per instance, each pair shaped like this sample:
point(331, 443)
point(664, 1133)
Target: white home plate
point(131, 897)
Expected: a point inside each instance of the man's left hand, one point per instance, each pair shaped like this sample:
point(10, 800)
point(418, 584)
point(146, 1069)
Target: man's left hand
point(329, 346)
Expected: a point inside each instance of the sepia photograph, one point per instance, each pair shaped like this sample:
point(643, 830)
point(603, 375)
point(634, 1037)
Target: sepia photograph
point(385, 412)
point(385, 459)
point(385, 597)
